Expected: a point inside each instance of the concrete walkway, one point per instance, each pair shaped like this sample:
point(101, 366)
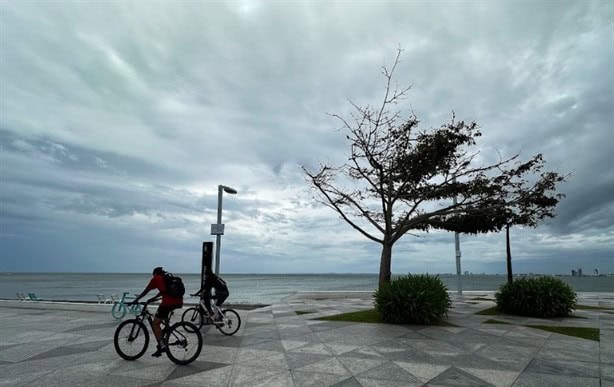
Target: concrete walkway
point(43, 345)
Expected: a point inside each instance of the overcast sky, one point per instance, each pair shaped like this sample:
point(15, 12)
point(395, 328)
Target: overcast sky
point(118, 120)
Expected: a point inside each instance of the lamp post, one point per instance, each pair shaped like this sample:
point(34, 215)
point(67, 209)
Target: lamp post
point(218, 229)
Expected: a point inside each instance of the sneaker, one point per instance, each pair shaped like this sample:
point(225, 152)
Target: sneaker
point(160, 351)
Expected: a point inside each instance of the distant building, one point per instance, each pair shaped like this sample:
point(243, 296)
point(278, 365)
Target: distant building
point(573, 273)
point(596, 272)
point(579, 272)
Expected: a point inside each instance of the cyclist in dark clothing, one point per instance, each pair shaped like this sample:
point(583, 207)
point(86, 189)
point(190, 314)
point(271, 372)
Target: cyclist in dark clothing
point(168, 304)
point(213, 281)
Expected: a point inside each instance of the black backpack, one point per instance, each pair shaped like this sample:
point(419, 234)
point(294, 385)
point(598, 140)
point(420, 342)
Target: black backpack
point(174, 285)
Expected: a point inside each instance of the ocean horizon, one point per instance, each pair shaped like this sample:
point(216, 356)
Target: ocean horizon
point(254, 288)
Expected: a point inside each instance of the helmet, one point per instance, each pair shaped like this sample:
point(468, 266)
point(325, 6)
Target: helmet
point(158, 270)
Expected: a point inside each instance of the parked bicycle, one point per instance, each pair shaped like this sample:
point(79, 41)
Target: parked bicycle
point(120, 308)
point(198, 315)
point(183, 339)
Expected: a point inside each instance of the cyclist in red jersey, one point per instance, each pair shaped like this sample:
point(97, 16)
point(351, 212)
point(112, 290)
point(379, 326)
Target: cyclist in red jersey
point(168, 304)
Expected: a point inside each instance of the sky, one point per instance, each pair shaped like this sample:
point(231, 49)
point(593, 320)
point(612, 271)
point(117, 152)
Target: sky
point(118, 121)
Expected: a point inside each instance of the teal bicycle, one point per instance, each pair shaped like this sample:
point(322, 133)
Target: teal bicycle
point(120, 308)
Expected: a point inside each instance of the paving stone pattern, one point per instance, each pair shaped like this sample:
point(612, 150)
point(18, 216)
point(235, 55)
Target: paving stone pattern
point(277, 347)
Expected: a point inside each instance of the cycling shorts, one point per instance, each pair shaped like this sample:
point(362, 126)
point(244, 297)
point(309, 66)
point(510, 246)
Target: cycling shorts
point(164, 310)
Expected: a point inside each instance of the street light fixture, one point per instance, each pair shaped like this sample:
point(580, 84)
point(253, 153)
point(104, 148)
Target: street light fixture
point(218, 229)
point(229, 190)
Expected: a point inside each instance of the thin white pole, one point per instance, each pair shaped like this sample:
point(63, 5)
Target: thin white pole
point(458, 254)
point(458, 264)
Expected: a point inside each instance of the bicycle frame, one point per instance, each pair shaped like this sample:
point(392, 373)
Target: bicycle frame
point(120, 307)
point(201, 303)
point(205, 312)
point(144, 315)
point(227, 321)
point(147, 315)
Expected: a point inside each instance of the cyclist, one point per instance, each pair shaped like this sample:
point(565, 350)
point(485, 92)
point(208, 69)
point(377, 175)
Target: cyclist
point(213, 281)
point(168, 304)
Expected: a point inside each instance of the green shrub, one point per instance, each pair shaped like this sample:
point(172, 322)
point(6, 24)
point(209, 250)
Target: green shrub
point(536, 297)
point(412, 299)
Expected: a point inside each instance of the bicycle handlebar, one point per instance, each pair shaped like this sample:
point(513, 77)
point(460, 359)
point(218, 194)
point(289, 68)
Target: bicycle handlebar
point(146, 302)
point(213, 297)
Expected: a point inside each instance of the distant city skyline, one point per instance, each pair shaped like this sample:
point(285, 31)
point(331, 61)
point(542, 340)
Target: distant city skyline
point(113, 141)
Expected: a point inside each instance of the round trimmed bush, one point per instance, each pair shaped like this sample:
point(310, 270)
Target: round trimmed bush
point(413, 299)
point(536, 297)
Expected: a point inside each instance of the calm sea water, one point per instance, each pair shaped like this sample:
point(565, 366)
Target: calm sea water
point(244, 288)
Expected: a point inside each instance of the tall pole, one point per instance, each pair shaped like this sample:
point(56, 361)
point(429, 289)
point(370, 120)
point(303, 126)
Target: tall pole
point(218, 229)
point(218, 239)
point(458, 254)
point(458, 264)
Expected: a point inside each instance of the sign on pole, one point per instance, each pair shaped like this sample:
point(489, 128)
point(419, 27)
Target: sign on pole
point(217, 229)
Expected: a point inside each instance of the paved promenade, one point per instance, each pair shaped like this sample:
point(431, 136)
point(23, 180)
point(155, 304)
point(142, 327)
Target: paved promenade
point(47, 344)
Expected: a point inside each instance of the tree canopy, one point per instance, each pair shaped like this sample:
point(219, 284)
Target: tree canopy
point(400, 178)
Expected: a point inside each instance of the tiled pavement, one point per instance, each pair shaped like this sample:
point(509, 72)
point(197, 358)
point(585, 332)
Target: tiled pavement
point(277, 347)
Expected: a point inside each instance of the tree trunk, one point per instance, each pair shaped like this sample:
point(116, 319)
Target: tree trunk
point(385, 264)
point(509, 254)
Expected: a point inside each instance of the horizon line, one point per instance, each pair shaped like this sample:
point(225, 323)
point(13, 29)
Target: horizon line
point(297, 273)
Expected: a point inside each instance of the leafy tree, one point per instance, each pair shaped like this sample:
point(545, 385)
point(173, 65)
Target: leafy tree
point(399, 178)
point(525, 203)
point(531, 204)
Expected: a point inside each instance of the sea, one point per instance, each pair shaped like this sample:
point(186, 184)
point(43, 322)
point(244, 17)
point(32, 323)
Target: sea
point(244, 288)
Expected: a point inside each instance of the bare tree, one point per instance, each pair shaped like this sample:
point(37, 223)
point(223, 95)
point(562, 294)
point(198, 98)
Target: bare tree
point(400, 179)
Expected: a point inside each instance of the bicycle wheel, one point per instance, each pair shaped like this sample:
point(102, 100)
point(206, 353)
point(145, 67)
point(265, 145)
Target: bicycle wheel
point(118, 311)
point(131, 339)
point(230, 324)
point(194, 316)
point(183, 342)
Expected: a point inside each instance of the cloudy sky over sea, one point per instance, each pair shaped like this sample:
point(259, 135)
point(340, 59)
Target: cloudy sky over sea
point(118, 120)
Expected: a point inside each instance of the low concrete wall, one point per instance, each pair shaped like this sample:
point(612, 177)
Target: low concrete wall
point(98, 308)
point(363, 295)
point(328, 295)
point(57, 305)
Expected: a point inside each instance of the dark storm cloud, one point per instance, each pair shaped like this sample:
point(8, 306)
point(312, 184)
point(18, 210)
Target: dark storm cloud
point(125, 132)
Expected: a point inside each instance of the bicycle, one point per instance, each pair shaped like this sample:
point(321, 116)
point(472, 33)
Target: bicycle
point(199, 316)
point(183, 340)
point(120, 309)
